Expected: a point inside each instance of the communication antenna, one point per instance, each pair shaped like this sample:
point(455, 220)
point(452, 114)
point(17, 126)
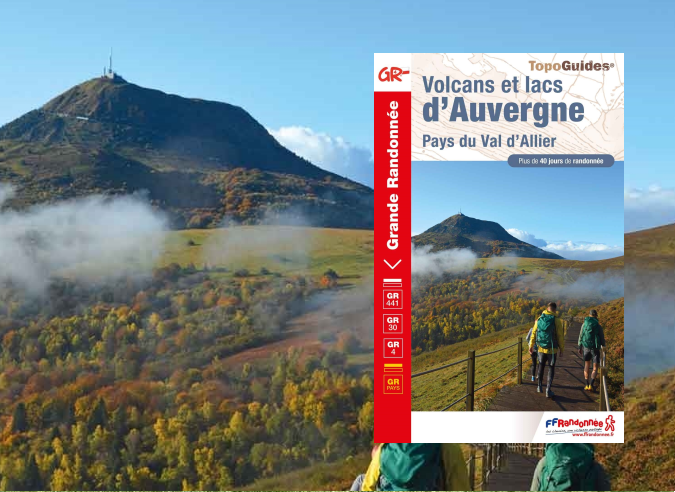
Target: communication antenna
point(110, 70)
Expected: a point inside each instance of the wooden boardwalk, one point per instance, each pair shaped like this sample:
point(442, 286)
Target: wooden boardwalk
point(568, 385)
point(515, 474)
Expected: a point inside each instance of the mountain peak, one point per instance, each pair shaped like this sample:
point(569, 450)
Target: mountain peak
point(118, 115)
point(460, 224)
point(201, 159)
point(484, 237)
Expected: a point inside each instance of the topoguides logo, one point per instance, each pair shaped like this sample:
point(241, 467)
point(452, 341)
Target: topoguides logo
point(392, 74)
point(581, 427)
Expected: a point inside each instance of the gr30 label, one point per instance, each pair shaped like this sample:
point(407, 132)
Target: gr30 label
point(393, 324)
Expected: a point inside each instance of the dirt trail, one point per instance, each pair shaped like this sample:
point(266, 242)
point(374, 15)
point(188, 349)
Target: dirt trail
point(515, 474)
point(568, 385)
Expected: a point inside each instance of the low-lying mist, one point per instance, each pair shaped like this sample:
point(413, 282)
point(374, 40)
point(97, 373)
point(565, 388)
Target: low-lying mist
point(650, 323)
point(90, 239)
point(350, 309)
point(424, 262)
point(287, 238)
point(601, 286)
point(496, 262)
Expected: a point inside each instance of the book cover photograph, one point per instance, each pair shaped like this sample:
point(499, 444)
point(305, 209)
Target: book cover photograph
point(499, 247)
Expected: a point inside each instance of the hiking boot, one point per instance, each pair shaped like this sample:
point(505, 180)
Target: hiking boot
point(549, 393)
point(539, 388)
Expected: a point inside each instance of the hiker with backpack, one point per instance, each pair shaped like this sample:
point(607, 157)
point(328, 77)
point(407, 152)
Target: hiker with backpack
point(548, 338)
point(591, 339)
point(534, 355)
point(569, 466)
point(402, 466)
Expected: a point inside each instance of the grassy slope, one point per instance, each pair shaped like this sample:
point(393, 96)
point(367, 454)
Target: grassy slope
point(647, 459)
point(652, 248)
point(539, 264)
point(286, 249)
point(437, 390)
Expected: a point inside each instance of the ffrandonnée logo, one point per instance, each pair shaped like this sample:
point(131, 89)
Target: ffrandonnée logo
point(392, 74)
point(609, 421)
point(581, 427)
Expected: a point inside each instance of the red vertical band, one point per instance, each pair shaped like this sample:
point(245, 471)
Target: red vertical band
point(392, 266)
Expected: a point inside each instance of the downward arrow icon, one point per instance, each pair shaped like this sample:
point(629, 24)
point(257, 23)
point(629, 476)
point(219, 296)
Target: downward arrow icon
point(392, 267)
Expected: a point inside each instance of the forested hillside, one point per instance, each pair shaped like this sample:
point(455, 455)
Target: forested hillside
point(196, 378)
point(452, 307)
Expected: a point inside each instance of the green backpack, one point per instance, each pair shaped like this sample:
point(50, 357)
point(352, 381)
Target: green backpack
point(410, 467)
point(568, 467)
point(589, 333)
point(546, 331)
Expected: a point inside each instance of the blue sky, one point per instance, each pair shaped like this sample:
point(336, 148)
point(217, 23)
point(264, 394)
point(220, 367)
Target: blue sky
point(577, 213)
point(304, 68)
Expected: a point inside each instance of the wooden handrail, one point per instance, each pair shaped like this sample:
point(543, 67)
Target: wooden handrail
point(470, 360)
point(604, 395)
point(471, 389)
point(492, 459)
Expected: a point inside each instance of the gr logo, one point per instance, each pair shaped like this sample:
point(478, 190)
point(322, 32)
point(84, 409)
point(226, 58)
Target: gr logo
point(392, 74)
point(392, 298)
point(393, 384)
point(393, 324)
point(393, 347)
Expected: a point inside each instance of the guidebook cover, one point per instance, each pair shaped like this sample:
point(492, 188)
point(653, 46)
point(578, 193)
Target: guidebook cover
point(499, 247)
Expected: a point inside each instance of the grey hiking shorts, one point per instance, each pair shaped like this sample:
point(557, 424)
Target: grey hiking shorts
point(592, 354)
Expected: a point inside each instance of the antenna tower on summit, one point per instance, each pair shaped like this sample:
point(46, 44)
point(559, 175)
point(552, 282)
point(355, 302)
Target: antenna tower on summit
point(108, 72)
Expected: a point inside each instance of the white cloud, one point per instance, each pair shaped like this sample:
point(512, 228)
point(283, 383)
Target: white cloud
point(527, 237)
point(584, 251)
point(423, 261)
point(646, 208)
point(6, 193)
point(334, 154)
point(93, 238)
